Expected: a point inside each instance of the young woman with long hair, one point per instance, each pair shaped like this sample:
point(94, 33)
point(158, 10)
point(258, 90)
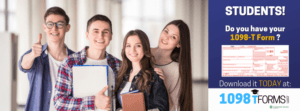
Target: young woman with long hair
point(137, 73)
point(173, 63)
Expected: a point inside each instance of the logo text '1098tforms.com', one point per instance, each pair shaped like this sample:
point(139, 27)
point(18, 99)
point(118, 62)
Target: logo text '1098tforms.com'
point(270, 99)
point(255, 98)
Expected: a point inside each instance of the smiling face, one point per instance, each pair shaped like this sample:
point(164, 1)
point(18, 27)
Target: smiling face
point(99, 35)
point(55, 34)
point(169, 38)
point(134, 49)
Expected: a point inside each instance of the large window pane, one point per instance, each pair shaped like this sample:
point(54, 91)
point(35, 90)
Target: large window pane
point(12, 22)
point(170, 8)
point(147, 15)
point(2, 22)
point(130, 24)
point(49, 3)
point(2, 5)
point(132, 8)
point(153, 30)
point(153, 8)
point(12, 5)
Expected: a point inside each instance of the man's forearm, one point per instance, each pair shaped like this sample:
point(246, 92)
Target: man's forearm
point(27, 61)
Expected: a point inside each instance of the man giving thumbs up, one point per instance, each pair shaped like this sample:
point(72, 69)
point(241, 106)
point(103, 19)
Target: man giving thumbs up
point(36, 52)
point(41, 63)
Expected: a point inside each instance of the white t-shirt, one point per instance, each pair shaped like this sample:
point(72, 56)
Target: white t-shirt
point(54, 65)
point(171, 73)
point(111, 75)
point(126, 88)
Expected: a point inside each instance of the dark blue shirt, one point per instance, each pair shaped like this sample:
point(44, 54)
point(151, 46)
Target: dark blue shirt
point(157, 96)
point(40, 91)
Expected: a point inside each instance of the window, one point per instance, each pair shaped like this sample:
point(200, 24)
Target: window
point(50, 3)
point(2, 15)
point(8, 19)
point(12, 18)
point(147, 15)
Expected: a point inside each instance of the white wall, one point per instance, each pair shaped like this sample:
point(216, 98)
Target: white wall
point(7, 68)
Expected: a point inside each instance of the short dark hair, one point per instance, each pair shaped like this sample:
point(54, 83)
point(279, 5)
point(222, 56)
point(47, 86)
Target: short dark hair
point(57, 11)
point(101, 18)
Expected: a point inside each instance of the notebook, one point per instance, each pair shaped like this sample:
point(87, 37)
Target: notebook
point(133, 101)
point(135, 91)
point(88, 80)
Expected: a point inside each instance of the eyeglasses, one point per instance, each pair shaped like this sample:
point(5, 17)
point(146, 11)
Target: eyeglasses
point(59, 25)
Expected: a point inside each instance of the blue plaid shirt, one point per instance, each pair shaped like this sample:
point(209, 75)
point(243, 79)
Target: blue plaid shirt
point(40, 82)
point(63, 98)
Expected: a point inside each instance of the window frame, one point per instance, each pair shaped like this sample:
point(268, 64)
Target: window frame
point(6, 15)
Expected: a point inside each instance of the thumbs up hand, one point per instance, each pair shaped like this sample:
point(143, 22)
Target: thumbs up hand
point(37, 48)
point(101, 101)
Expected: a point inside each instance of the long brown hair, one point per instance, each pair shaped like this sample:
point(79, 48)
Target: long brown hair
point(183, 56)
point(147, 62)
